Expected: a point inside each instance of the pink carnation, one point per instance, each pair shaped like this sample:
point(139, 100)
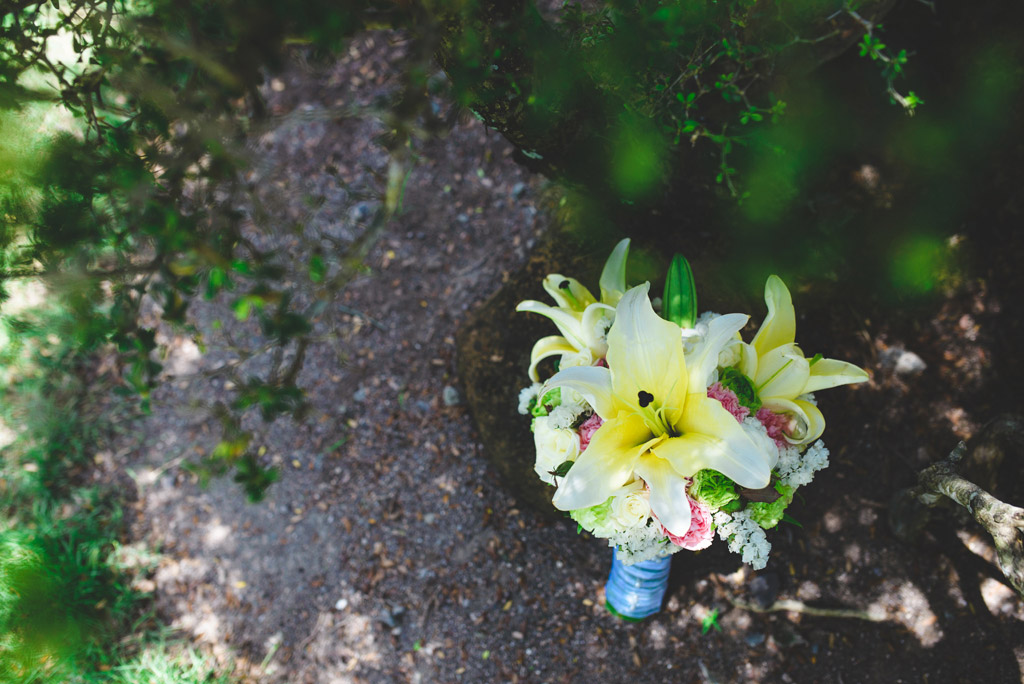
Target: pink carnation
point(587, 430)
point(699, 535)
point(727, 398)
point(776, 424)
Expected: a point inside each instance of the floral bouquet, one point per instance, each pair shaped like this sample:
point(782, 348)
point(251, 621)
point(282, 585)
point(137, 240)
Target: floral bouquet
point(659, 431)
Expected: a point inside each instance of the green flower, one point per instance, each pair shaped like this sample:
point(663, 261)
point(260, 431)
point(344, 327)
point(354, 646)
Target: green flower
point(597, 520)
point(542, 406)
point(768, 515)
point(713, 489)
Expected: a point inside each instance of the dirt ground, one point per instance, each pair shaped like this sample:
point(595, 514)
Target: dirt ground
point(390, 552)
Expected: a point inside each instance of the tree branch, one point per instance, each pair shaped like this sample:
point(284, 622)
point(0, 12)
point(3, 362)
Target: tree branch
point(1004, 522)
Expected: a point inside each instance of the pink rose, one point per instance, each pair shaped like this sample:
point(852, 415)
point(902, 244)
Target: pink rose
point(727, 398)
point(587, 430)
point(700, 535)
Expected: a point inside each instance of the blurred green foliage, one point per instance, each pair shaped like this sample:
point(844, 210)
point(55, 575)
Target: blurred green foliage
point(123, 185)
point(70, 608)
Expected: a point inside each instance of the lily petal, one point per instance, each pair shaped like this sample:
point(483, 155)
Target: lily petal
point(668, 493)
point(811, 421)
point(691, 452)
point(703, 360)
point(613, 276)
point(594, 383)
point(645, 353)
point(567, 323)
point(605, 465)
point(782, 372)
point(568, 293)
point(545, 347)
point(828, 373)
point(590, 326)
point(748, 360)
point(737, 456)
point(815, 420)
point(779, 326)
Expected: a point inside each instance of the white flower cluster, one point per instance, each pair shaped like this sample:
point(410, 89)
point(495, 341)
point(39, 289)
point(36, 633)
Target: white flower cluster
point(692, 337)
point(526, 395)
point(565, 414)
point(744, 536)
point(796, 469)
point(642, 543)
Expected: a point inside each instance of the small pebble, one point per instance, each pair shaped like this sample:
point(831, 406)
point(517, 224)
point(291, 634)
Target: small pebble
point(360, 212)
point(450, 395)
point(910, 363)
point(765, 588)
point(754, 639)
point(518, 190)
point(341, 604)
point(902, 361)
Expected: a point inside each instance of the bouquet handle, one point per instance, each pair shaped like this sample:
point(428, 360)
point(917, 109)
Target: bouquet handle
point(635, 592)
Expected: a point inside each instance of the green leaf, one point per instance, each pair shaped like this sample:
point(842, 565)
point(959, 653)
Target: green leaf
point(679, 303)
point(317, 269)
point(242, 308)
point(710, 620)
point(337, 445)
point(562, 469)
point(786, 517)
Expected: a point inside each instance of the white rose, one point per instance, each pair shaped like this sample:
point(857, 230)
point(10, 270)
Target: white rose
point(730, 355)
point(583, 357)
point(631, 507)
point(554, 446)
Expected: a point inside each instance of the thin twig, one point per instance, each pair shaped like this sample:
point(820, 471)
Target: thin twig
point(791, 606)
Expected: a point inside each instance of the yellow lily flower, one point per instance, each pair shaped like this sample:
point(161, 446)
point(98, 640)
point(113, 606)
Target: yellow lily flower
point(780, 373)
point(582, 320)
point(659, 424)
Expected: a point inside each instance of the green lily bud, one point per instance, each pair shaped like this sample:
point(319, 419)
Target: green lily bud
point(679, 304)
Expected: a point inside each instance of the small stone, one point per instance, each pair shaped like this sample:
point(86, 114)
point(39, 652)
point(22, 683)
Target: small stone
point(341, 604)
point(902, 361)
point(910, 363)
point(450, 395)
point(754, 639)
point(518, 190)
point(765, 588)
point(359, 395)
point(361, 212)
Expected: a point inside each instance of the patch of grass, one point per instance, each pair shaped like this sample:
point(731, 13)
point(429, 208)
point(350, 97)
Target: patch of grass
point(69, 610)
point(160, 662)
